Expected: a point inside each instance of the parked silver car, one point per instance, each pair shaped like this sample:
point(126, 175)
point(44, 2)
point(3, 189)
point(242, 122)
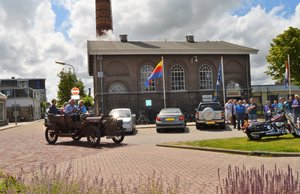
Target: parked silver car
point(170, 118)
point(128, 118)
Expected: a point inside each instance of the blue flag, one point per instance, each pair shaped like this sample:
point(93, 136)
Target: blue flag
point(219, 79)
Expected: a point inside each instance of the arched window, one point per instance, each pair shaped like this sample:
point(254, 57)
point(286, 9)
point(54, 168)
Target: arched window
point(146, 71)
point(117, 87)
point(177, 78)
point(206, 78)
point(232, 85)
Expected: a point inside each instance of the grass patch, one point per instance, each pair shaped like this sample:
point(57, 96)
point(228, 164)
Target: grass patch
point(287, 143)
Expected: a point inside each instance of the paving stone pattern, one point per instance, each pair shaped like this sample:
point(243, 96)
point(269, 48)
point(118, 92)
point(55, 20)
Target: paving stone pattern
point(25, 147)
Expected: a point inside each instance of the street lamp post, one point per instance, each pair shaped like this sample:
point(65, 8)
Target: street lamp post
point(15, 109)
point(63, 63)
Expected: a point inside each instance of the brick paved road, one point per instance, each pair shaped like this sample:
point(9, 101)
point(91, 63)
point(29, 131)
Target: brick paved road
point(26, 147)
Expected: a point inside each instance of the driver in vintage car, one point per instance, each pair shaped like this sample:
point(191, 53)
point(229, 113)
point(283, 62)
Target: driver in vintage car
point(53, 109)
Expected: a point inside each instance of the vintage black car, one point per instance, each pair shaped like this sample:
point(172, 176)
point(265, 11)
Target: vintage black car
point(79, 125)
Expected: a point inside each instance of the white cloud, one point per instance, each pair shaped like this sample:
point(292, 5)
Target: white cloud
point(29, 44)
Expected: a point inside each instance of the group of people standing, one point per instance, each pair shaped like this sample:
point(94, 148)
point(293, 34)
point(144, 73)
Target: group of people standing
point(68, 108)
point(292, 105)
point(237, 111)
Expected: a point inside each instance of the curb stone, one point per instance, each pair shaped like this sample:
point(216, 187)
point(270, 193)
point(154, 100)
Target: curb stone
point(240, 152)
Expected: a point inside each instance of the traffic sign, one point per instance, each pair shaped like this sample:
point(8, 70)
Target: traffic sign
point(75, 91)
point(75, 97)
point(148, 103)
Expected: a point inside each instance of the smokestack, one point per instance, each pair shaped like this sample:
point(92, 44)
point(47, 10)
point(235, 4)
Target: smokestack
point(103, 16)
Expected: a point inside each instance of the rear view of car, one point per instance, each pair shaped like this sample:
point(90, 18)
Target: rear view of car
point(170, 118)
point(210, 113)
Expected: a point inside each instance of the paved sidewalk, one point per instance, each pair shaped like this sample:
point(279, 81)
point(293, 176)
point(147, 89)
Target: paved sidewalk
point(26, 148)
point(19, 124)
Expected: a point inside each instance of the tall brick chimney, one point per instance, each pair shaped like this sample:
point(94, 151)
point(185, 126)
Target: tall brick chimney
point(103, 16)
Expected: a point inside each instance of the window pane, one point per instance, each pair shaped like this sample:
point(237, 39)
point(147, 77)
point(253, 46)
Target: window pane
point(177, 78)
point(233, 85)
point(117, 88)
point(146, 71)
point(206, 78)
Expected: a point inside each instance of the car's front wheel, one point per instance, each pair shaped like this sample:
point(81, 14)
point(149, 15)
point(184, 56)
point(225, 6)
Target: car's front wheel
point(223, 125)
point(118, 139)
point(198, 126)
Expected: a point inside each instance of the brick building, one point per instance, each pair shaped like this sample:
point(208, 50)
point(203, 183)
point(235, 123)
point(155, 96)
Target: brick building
point(120, 68)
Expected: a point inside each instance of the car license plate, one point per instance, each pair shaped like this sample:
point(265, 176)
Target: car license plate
point(211, 122)
point(169, 119)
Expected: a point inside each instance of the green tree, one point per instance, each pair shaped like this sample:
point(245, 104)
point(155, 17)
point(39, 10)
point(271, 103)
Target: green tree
point(287, 43)
point(68, 80)
point(88, 101)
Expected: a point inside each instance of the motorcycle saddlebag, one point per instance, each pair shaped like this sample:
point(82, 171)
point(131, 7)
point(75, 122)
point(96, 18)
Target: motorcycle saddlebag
point(258, 126)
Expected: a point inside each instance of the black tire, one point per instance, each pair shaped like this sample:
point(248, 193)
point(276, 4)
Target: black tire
point(198, 126)
point(183, 130)
point(158, 130)
point(223, 126)
point(132, 132)
point(253, 137)
point(94, 136)
point(50, 135)
point(118, 139)
point(296, 133)
point(77, 138)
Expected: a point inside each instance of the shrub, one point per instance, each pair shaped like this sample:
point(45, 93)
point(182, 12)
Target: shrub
point(255, 181)
point(51, 181)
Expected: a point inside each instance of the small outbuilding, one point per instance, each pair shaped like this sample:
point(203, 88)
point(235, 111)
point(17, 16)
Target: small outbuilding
point(3, 114)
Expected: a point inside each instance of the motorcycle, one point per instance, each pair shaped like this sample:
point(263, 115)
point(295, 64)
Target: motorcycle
point(280, 124)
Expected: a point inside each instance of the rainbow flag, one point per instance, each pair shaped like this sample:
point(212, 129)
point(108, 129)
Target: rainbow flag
point(156, 73)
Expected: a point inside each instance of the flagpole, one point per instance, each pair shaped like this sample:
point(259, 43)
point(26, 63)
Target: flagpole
point(289, 77)
point(223, 84)
point(164, 84)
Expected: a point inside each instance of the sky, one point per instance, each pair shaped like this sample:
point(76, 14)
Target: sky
point(36, 33)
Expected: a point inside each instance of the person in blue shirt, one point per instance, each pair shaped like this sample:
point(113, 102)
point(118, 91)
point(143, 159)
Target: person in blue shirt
point(81, 107)
point(296, 108)
point(288, 104)
point(268, 109)
point(241, 113)
point(70, 107)
point(275, 105)
point(252, 110)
